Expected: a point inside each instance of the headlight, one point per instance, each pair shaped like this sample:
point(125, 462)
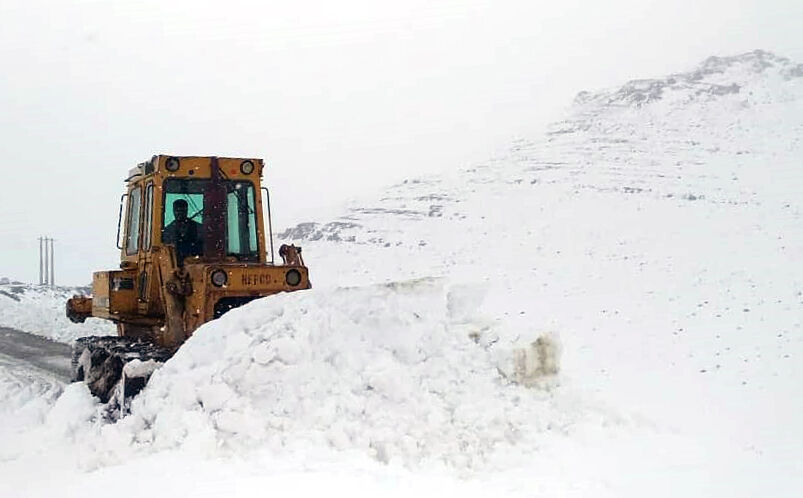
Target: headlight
point(219, 278)
point(172, 164)
point(247, 167)
point(293, 278)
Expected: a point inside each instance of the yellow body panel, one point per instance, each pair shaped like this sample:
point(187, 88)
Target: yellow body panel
point(100, 294)
point(114, 293)
point(199, 167)
point(251, 280)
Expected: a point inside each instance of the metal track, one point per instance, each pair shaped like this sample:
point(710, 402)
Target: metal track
point(100, 362)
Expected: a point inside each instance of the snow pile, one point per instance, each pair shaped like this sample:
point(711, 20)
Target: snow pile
point(387, 370)
point(41, 311)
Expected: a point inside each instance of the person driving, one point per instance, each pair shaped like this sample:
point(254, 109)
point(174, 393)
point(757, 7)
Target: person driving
point(183, 233)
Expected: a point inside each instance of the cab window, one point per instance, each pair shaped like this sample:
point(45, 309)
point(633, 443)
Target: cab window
point(241, 237)
point(182, 217)
point(133, 222)
point(148, 229)
point(239, 231)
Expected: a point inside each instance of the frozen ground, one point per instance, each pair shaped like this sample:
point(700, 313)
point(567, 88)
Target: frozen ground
point(655, 234)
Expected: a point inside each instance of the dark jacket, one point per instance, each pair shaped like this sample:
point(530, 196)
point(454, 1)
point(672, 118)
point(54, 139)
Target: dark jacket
point(185, 236)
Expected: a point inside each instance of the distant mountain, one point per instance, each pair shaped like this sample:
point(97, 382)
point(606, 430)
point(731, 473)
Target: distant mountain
point(726, 132)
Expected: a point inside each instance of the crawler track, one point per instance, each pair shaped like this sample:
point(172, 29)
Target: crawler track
point(102, 363)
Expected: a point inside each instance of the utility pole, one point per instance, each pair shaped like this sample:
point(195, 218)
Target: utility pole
point(52, 265)
point(41, 263)
point(47, 262)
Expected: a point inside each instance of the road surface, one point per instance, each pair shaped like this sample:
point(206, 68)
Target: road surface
point(54, 357)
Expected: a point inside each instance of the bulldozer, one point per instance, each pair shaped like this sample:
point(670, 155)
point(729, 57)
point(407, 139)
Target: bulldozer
point(195, 241)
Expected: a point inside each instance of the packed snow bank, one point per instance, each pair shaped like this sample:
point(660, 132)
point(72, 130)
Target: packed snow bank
point(40, 311)
point(400, 372)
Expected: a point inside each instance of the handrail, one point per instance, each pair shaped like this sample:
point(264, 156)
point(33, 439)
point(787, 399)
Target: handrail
point(120, 219)
point(270, 224)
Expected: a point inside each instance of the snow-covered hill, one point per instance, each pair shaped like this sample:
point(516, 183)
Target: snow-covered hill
point(726, 132)
point(656, 233)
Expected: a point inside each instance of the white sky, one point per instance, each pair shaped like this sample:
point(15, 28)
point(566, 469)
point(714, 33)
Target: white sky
point(341, 98)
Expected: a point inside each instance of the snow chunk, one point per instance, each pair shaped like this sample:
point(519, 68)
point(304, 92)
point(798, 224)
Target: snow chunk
point(533, 364)
point(135, 367)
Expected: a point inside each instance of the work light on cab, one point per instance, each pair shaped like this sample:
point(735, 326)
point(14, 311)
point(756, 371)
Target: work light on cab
point(172, 164)
point(247, 167)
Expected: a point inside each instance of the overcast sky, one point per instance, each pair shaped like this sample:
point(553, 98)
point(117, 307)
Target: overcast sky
point(340, 98)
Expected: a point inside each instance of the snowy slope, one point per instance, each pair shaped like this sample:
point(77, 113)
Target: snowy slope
point(678, 137)
point(656, 232)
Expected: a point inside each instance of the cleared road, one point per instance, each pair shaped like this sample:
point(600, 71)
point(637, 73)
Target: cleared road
point(53, 357)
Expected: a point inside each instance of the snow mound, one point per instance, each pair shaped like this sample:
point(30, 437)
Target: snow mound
point(398, 371)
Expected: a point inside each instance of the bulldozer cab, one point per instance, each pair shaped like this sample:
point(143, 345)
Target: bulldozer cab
point(207, 209)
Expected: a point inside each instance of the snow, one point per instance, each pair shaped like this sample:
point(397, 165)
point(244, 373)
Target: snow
point(136, 367)
point(41, 310)
point(25, 398)
point(647, 249)
point(379, 370)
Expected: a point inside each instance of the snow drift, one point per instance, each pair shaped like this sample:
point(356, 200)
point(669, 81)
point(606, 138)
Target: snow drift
point(396, 371)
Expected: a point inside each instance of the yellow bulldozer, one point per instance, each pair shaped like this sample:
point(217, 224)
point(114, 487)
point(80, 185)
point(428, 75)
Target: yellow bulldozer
point(195, 241)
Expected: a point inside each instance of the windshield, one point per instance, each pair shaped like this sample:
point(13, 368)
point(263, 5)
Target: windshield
point(183, 217)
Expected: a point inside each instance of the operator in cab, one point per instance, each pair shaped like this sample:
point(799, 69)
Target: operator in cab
point(184, 233)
